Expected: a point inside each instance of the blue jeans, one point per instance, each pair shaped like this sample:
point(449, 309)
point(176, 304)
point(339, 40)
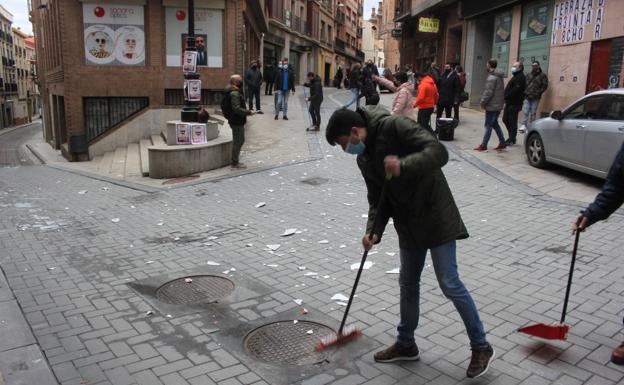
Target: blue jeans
point(282, 102)
point(491, 121)
point(355, 93)
point(445, 266)
point(529, 110)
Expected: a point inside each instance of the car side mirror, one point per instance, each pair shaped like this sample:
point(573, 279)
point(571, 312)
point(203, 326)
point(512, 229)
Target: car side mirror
point(557, 115)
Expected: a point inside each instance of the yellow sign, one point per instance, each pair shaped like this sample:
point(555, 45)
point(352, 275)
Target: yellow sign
point(426, 24)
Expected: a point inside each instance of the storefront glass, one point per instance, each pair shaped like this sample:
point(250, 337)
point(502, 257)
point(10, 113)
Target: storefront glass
point(535, 34)
point(502, 35)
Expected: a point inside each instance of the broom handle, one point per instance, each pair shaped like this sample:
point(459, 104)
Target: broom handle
point(382, 198)
point(567, 295)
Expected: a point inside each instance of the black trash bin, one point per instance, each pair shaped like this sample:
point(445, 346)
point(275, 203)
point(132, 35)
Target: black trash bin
point(446, 128)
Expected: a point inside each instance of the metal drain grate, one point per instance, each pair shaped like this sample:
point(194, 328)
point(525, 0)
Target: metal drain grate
point(287, 343)
point(202, 289)
point(315, 181)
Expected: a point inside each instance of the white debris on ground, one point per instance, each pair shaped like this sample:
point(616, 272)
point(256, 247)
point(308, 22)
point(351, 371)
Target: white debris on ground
point(367, 265)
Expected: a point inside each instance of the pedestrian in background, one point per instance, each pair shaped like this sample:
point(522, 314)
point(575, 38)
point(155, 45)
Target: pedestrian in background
point(462, 96)
point(315, 99)
point(536, 85)
point(492, 102)
point(269, 75)
point(434, 71)
point(514, 96)
point(338, 77)
point(448, 90)
point(606, 202)
point(425, 216)
point(253, 80)
point(403, 103)
point(410, 74)
point(284, 84)
point(236, 112)
point(355, 84)
point(426, 99)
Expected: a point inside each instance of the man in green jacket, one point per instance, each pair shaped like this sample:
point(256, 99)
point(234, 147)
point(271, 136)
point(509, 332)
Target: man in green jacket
point(236, 112)
point(425, 216)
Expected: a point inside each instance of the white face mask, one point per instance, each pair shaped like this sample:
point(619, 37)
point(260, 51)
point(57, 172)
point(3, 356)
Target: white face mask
point(514, 69)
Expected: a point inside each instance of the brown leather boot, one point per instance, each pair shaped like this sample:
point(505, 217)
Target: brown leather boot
point(617, 357)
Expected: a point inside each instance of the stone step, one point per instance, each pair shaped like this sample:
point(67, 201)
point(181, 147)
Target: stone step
point(133, 161)
point(157, 140)
point(105, 163)
point(143, 145)
point(118, 167)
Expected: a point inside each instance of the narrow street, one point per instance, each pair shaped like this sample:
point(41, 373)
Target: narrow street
point(13, 151)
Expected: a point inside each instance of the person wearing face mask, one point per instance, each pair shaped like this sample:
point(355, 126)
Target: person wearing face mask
point(514, 96)
point(253, 80)
point(236, 112)
point(425, 216)
point(284, 83)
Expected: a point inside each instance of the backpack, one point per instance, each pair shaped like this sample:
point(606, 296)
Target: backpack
point(226, 105)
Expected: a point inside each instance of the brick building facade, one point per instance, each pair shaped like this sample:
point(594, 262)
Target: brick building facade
point(100, 62)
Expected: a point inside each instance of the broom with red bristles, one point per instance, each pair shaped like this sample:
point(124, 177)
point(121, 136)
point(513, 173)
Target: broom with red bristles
point(351, 332)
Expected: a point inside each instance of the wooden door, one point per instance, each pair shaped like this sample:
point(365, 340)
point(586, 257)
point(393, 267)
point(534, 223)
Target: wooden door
point(599, 60)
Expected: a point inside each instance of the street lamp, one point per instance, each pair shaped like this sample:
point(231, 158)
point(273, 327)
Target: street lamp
point(191, 104)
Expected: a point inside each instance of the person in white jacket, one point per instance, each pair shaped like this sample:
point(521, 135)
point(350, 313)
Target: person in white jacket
point(404, 100)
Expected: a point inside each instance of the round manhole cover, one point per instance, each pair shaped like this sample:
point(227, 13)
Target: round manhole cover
point(287, 342)
point(195, 289)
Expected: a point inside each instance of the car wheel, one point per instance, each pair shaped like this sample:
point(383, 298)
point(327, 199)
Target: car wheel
point(535, 151)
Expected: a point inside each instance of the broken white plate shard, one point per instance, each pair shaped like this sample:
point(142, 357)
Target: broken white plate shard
point(303, 311)
point(115, 220)
point(272, 265)
point(367, 265)
point(208, 244)
point(51, 268)
point(308, 203)
point(295, 322)
point(160, 223)
point(176, 238)
point(396, 270)
point(249, 245)
point(226, 272)
point(364, 215)
point(273, 173)
point(324, 241)
point(326, 276)
point(149, 262)
point(343, 246)
point(349, 204)
point(261, 204)
point(82, 192)
point(310, 331)
point(213, 263)
point(273, 247)
point(341, 303)
point(233, 269)
point(391, 254)
point(104, 189)
point(212, 238)
point(149, 312)
point(310, 274)
point(301, 268)
point(270, 190)
point(288, 232)
point(298, 301)
point(188, 280)
point(169, 316)
point(373, 252)
point(339, 297)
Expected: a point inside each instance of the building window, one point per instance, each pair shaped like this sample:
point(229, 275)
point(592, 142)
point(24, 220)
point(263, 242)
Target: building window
point(102, 114)
point(208, 36)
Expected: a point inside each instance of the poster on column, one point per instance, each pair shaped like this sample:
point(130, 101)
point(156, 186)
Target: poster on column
point(577, 21)
point(192, 90)
point(198, 133)
point(209, 36)
point(183, 133)
point(113, 34)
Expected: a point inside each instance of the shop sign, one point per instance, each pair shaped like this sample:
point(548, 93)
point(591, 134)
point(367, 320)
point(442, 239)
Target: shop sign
point(576, 21)
point(113, 34)
point(428, 24)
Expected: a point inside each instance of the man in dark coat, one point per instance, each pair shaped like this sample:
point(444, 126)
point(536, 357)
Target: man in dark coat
point(514, 96)
point(425, 216)
point(339, 77)
point(253, 80)
point(284, 83)
point(449, 91)
point(537, 84)
point(269, 75)
point(606, 202)
point(315, 99)
point(355, 84)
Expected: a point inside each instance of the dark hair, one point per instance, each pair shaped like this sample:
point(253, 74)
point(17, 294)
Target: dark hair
point(492, 63)
point(459, 68)
point(401, 77)
point(203, 116)
point(311, 74)
point(535, 62)
point(340, 124)
point(418, 74)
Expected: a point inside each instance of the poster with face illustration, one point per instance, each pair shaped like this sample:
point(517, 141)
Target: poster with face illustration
point(209, 36)
point(190, 62)
point(198, 133)
point(113, 34)
point(192, 90)
point(183, 133)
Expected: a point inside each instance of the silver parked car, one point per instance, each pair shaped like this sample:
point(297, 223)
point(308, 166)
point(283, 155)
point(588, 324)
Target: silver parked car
point(585, 136)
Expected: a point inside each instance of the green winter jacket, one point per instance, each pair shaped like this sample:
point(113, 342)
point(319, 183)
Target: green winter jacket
point(419, 200)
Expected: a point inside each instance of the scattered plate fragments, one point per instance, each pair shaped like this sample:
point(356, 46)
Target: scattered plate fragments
point(367, 265)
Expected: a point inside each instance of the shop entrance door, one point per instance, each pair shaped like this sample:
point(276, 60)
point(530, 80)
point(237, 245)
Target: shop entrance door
point(327, 78)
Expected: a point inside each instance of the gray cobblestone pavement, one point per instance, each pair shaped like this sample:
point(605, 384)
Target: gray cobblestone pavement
point(75, 260)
